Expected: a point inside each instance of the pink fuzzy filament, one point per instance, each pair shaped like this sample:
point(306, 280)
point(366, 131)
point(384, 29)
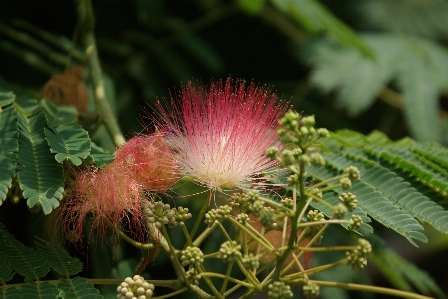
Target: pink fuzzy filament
point(221, 133)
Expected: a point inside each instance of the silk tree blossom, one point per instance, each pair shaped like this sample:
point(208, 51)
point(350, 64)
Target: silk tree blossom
point(221, 133)
point(116, 193)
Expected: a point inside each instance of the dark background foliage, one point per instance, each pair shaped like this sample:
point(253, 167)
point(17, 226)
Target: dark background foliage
point(147, 47)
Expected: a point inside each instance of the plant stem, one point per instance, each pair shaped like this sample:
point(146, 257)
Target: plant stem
point(171, 294)
point(87, 23)
point(367, 288)
point(200, 216)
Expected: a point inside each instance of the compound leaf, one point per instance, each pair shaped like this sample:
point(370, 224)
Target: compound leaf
point(9, 148)
point(26, 261)
point(69, 142)
point(58, 258)
point(78, 288)
point(41, 177)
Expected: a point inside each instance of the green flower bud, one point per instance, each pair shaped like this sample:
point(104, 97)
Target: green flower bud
point(279, 290)
point(308, 121)
point(339, 211)
point(349, 200)
point(192, 256)
point(230, 251)
point(346, 183)
point(353, 173)
point(357, 222)
point(251, 262)
point(311, 290)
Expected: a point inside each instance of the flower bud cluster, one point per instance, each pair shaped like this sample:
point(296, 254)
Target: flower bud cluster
point(251, 262)
point(268, 218)
point(311, 290)
point(357, 258)
point(349, 200)
point(193, 276)
point(242, 218)
point(135, 288)
point(230, 251)
point(162, 214)
point(357, 222)
point(313, 216)
point(218, 214)
point(192, 256)
point(245, 200)
point(299, 133)
point(279, 290)
point(339, 211)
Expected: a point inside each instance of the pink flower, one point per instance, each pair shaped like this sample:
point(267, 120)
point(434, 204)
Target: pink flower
point(221, 133)
point(150, 160)
point(110, 196)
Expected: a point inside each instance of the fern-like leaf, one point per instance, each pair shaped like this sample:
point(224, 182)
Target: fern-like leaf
point(8, 150)
point(41, 177)
point(418, 65)
point(26, 261)
point(6, 271)
point(370, 190)
point(69, 142)
point(39, 290)
point(400, 272)
point(10, 293)
point(60, 261)
point(78, 288)
point(58, 115)
point(6, 98)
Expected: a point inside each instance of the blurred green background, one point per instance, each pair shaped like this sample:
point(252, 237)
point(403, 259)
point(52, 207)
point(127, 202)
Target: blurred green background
point(360, 65)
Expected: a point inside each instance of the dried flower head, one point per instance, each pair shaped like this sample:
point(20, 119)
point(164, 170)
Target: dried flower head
point(150, 160)
point(221, 133)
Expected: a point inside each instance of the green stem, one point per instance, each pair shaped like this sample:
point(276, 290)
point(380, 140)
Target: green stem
point(259, 238)
point(226, 280)
point(249, 275)
point(87, 23)
point(209, 282)
point(367, 288)
point(218, 275)
point(201, 238)
point(184, 289)
point(200, 216)
point(294, 229)
point(179, 269)
point(186, 234)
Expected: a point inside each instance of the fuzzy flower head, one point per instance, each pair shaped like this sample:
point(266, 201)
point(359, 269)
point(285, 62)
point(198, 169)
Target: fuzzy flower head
point(221, 133)
point(150, 160)
point(110, 196)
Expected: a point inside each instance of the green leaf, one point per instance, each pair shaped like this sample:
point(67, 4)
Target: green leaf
point(419, 66)
point(6, 98)
point(39, 290)
point(78, 288)
point(400, 272)
point(41, 177)
point(10, 293)
point(58, 115)
point(315, 17)
point(373, 192)
point(69, 142)
point(9, 148)
point(6, 271)
point(26, 261)
point(26, 106)
point(60, 261)
point(99, 156)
